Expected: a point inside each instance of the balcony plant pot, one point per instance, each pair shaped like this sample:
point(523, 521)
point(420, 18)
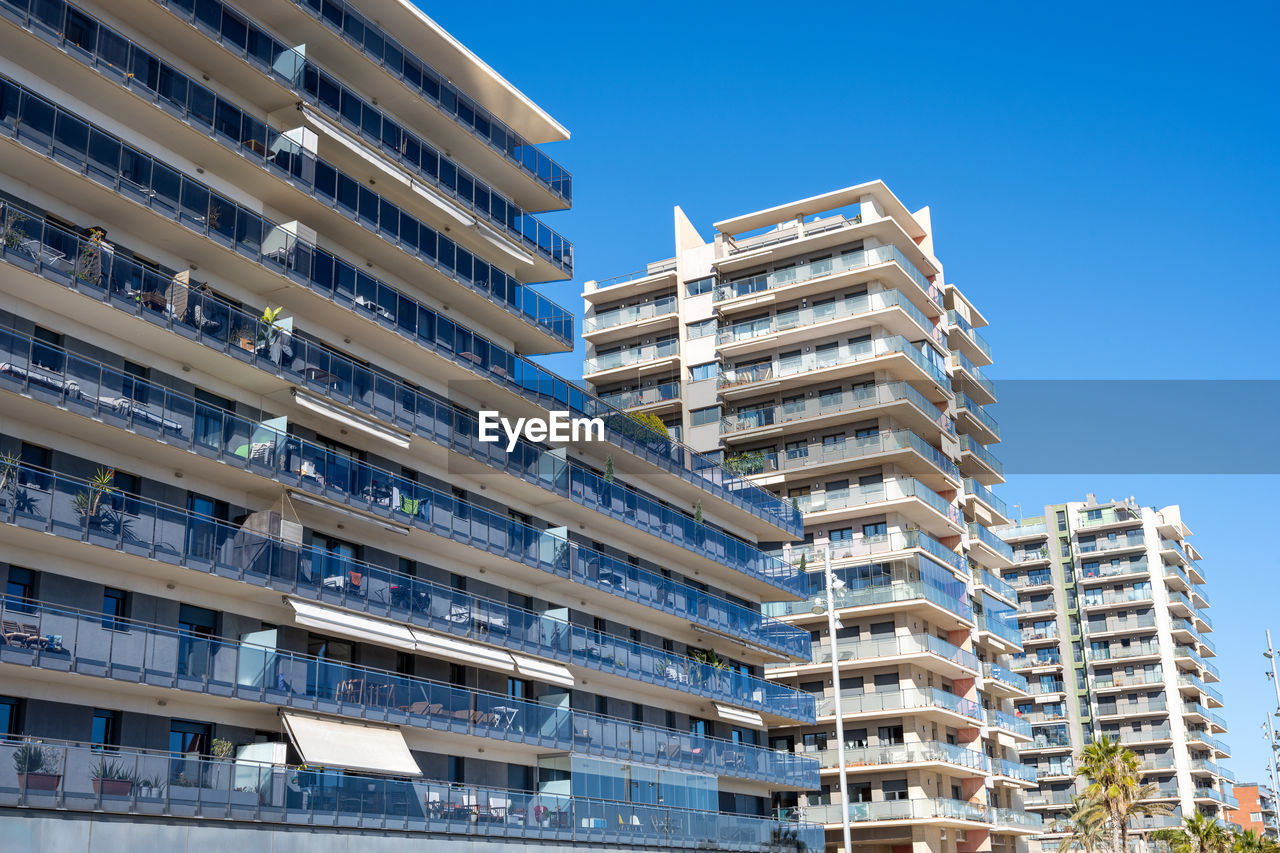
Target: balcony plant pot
point(39, 781)
point(112, 787)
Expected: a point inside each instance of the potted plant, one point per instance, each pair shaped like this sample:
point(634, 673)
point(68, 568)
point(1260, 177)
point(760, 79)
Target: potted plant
point(35, 764)
point(220, 750)
point(269, 329)
point(111, 778)
point(89, 502)
point(89, 264)
point(151, 786)
point(11, 234)
point(8, 471)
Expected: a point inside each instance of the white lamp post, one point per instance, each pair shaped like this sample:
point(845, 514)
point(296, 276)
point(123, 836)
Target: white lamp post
point(832, 583)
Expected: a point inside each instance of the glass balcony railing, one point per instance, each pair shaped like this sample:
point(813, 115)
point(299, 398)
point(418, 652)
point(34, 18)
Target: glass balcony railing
point(1018, 530)
point(889, 490)
point(629, 314)
point(982, 493)
point(1108, 515)
point(1212, 767)
point(179, 537)
point(1110, 543)
point(905, 753)
point(1007, 676)
point(631, 355)
point(1146, 734)
point(998, 586)
point(1041, 577)
point(643, 396)
point(920, 809)
point(1015, 770)
point(91, 387)
point(189, 788)
point(54, 132)
point(968, 445)
point(882, 594)
point(1152, 706)
point(954, 319)
point(834, 404)
point(358, 115)
point(904, 699)
point(66, 258)
point(1099, 626)
point(839, 355)
point(870, 546)
point(1202, 736)
point(913, 644)
point(962, 361)
point(825, 453)
point(435, 88)
point(1047, 798)
point(1008, 722)
point(850, 306)
point(992, 541)
point(1103, 597)
point(1118, 652)
point(1108, 570)
point(88, 643)
point(1033, 634)
point(1002, 629)
point(964, 401)
point(857, 259)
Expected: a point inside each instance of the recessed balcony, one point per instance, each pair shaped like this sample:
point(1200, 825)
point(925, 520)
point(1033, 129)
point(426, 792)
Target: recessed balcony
point(632, 361)
point(911, 453)
point(899, 400)
point(895, 354)
point(909, 497)
point(631, 321)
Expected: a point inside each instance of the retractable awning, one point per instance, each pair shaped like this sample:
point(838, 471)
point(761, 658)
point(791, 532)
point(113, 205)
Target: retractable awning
point(350, 746)
point(544, 670)
point(347, 624)
point(738, 715)
point(463, 651)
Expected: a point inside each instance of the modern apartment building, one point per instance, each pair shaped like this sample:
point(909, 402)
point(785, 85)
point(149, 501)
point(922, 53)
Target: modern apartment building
point(1256, 811)
point(1115, 629)
point(817, 348)
point(261, 266)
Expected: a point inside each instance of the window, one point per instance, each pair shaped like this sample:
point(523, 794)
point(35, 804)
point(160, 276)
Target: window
point(885, 680)
point(21, 585)
point(855, 738)
point(699, 286)
point(1062, 520)
point(894, 789)
point(699, 372)
point(518, 688)
point(36, 457)
point(9, 722)
point(114, 608)
point(210, 421)
point(457, 769)
point(875, 529)
point(198, 626)
point(700, 329)
point(1093, 515)
point(134, 385)
point(519, 777)
point(189, 741)
point(47, 352)
point(708, 415)
point(106, 729)
point(889, 734)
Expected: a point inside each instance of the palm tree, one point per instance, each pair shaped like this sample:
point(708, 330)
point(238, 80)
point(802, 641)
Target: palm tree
point(1113, 781)
point(1085, 825)
point(1249, 841)
point(1198, 834)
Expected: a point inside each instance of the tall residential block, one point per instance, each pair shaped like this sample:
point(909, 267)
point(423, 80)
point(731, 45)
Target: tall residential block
point(1115, 629)
point(818, 349)
point(262, 265)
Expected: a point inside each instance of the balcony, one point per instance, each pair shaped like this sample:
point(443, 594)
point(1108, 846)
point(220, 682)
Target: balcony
point(643, 398)
point(849, 261)
point(849, 312)
point(916, 366)
point(603, 366)
point(875, 651)
point(1099, 598)
point(944, 811)
point(899, 395)
point(878, 758)
point(994, 508)
point(628, 314)
point(94, 390)
point(906, 494)
point(997, 550)
point(1014, 725)
point(1121, 681)
point(1143, 649)
point(1201, 765)
point(998, 587)
point(977, 417)
point(1150, 707)
point(978, 385)
point(887, 702)
point(1018, 683)
point(1099, 627)
point(1101, 571)
point(982, 457)
point(901, 444)
point(968, 336)
point(1056, 768)
point(1032, 580)
point(1171, 550)
point(156, 658)
point(1043, 606)
point(175, 536)
point(1202, 737)
point(1047, 742)
point(1001, 630)
point(214, 790)
point(1114, 542)
point(878, 598)
point(1038, 554)
point(1015, 770)
point(43, 249)
point(1039, 635)
point(864, 546)
point(1145, 735)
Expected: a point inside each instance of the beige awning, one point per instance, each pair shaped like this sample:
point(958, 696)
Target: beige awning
point(350, 746)
point(463, 651)
point(738, 715)
point(544, 669)
point(344, 623)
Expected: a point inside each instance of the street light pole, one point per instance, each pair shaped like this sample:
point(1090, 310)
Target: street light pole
point(829, 580)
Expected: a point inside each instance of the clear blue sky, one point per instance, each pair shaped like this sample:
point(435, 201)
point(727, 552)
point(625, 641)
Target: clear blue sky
point(1103, 181)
